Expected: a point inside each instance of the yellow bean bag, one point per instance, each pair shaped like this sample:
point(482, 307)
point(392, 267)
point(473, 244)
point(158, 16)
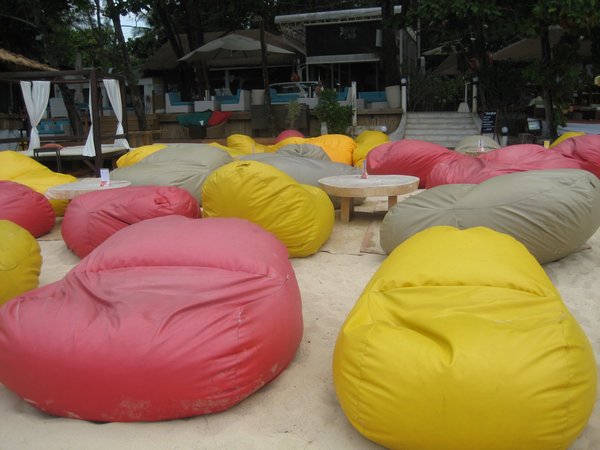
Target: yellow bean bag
point(242, 144)
point(460, 341)
point(22, 169)
point(299, 215)
point(20, 261)
point(338, 147)
point(365, 142)
point(137, 154)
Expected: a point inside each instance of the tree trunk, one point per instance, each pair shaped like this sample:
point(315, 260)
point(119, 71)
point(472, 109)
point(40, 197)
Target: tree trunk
point(265, 73)
point(195, 33)
point(138, 104)
point(546, 90)
point(390, 54)
point(185, 71)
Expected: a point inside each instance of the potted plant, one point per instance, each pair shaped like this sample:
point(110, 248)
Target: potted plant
point(336, 117)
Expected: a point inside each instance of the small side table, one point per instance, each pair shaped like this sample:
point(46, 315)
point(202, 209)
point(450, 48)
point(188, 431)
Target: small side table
point(348, 187)
point(205, 105)
point(69, 191)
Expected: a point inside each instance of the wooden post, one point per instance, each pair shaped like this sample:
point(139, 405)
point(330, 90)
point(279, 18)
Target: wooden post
point(98, 160)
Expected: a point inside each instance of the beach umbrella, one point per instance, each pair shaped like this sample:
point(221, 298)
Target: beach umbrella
point(234, 49)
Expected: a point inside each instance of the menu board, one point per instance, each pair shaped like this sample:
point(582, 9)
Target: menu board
point(488, 122)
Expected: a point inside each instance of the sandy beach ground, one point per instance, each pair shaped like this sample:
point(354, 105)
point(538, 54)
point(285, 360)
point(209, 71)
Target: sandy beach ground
point(299, 409)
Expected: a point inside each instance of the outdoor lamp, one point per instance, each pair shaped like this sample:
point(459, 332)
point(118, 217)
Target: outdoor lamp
point(504, 136)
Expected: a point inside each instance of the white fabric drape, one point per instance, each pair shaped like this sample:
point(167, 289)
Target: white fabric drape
point(114, 96)
point(36, 96)
point(89, 149)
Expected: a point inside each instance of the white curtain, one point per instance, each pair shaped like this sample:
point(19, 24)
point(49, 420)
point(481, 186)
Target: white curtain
point(89, 148)
point(36, 96)
point(114, 96)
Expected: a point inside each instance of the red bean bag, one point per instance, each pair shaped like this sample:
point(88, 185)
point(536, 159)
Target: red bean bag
point(585, 150)
point(409, 157)
point(287, 134)
point(514, 158)
point(25, 207)
point(168, 318)
point(92, 218)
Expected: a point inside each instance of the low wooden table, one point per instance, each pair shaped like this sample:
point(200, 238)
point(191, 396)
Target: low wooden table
point(349, 187)
point(69, 191)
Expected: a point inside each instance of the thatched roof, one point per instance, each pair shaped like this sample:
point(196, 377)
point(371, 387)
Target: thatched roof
point(20, 62)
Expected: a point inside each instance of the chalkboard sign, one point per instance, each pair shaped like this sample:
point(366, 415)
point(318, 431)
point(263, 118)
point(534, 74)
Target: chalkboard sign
point(488, 122)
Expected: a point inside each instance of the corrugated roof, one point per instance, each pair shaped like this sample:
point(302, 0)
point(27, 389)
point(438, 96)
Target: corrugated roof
point(21, 61)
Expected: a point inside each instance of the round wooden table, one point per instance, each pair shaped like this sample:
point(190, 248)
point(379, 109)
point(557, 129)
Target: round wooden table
point(68, 191)
point(349, 187)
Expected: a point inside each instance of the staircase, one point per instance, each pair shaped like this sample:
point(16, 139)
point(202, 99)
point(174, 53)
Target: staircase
point(444, 128)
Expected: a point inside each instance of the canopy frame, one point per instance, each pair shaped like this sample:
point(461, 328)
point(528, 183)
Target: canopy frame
point(94, 78)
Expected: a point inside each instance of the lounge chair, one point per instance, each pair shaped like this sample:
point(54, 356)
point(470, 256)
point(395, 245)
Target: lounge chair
point(238, 102)
point(174, 104)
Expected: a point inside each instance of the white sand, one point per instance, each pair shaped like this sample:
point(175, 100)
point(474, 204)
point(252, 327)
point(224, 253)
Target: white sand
point(298, 410)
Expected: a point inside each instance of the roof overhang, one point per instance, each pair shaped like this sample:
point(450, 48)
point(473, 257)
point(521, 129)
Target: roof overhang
point(345, 15)
point(341, 59)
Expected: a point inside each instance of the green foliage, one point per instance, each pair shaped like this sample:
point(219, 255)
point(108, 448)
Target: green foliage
point(506, 87)
point(432, 92)
point(293, 113)
point(337, 117)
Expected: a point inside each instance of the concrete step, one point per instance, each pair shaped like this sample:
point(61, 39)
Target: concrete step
point(446, 126)
point(451, 119)
point(438, 114)
point(439, 132)
point(448, 143)
point(440, 127)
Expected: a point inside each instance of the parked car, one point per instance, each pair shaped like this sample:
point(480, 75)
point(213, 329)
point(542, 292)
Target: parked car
point(300, 88)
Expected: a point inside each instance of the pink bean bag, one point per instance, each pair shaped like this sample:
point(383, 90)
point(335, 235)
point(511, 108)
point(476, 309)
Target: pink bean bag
point(409, 157)
point(514, 158)
point(288, 134)
point(171, 317)
point(25, 207)
point(584, 150)
point(92, 218)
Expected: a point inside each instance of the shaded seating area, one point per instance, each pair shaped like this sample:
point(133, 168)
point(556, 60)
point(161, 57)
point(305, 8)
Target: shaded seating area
point(35, 88)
